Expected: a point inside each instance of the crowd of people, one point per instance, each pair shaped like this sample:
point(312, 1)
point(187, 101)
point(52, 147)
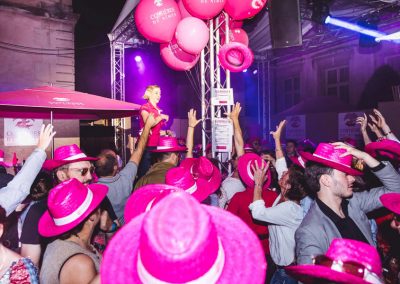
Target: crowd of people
point(295, 212)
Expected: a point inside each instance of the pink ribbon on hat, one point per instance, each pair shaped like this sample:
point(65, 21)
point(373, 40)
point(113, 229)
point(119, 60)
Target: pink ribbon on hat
point(211, 276)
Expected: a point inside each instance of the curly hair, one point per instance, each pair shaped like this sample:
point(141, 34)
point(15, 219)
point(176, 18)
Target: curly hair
point(313, 173)
point(298, 184)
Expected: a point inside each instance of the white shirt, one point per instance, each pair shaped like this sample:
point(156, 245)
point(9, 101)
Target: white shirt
point(230, 186)
point(284, 219)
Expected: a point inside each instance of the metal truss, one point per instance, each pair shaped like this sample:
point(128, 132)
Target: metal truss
point(213, 76)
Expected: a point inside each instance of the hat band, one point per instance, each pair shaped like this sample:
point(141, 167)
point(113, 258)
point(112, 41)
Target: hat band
point(192, 189)
point(301, 161)
point(165, 147)
point(326, 159)
point(75, 157)
point(77, 213)
point(1, 159)
point(150, 204)
point(211, 276)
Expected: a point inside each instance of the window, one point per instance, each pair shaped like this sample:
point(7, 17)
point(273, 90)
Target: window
point(291, 92)
point(337, 83)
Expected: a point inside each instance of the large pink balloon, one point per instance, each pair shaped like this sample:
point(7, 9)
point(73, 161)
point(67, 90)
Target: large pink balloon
point(176, 58)
point(237, 35)
point(182, 9)
point(156, 20)
point(243, 9)
point(192, 35)
point(204, 9)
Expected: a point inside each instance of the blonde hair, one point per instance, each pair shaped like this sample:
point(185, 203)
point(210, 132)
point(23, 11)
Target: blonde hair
point(149, 90)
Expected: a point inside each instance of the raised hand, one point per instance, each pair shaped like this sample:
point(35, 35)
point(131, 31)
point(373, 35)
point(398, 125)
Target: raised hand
point(363, 121)
point(277, 133)
point(46, 136)
point(260, 172)
point(192, 120)
point(234, 114)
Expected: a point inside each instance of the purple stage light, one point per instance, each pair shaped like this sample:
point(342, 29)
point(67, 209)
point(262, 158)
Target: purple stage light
point(353, 27)
point(255, 71)
point(138, 58)
point(244, 71)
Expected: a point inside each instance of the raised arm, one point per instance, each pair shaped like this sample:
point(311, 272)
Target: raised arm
point(280, 165)
point(363, 121)
point(138, 152)
point(237, 131)
point(381, 122)
point(18, 189)
point(192, 122)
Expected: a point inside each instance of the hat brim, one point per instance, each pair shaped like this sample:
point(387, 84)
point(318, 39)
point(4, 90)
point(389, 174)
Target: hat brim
point(242, 168)
point(310, 273)
point(50, 165)
point(139, 200)
point(244, 256)
point(6, 165)
point(47, 227)
point(391, 201)
point(336, 166)
point(173, 149)
point(386, 148)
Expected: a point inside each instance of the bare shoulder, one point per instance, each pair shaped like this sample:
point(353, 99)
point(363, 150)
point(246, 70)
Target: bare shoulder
point(80, 268)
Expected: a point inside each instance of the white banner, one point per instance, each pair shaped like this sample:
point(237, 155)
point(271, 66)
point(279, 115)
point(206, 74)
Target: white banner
point(222, 135)
point(348, 128)
point(222, 97)
point(296, 127)
point(21, 131)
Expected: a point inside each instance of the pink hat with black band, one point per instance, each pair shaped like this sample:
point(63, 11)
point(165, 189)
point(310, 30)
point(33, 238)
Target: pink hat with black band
point(207, 176)
point(168, 144)
point(65, 155)
point(384, 148)
point(391, 201)
point(182, 241)
point(69, 203)
point(327, 155)
point(145, 197)
point(245, 163)
point(346, 261)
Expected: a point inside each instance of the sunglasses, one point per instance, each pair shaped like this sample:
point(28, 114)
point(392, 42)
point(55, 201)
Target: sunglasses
point(349, 267)
point(396, 218)
point(84, 171)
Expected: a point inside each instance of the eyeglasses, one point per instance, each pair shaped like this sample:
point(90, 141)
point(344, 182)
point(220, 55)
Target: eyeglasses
point(84, 171)
point(396, 218)
point(349, 267)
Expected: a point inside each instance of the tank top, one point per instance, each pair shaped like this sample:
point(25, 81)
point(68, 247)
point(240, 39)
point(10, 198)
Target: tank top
point(57, 253)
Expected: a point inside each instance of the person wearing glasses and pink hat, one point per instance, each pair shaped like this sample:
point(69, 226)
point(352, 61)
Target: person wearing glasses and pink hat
point(392, 202)
point(72, 216)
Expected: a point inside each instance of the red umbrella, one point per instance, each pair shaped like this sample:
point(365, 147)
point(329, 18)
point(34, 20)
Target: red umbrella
point(57, 103)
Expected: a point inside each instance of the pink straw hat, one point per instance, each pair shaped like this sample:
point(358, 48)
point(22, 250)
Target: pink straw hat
point(391, 201)
point(69, 203)
point(384, 148)
point(169, 144)
point(327, 155)
point(246, 174)
point(2, 162)
point(65, 155)
point(182, 241)
point(346, 261)
point(299, 160)
point(182, 178)
point(208, 177)
point(145, 197)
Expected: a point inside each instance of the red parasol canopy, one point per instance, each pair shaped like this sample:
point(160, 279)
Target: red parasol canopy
point(62, 104)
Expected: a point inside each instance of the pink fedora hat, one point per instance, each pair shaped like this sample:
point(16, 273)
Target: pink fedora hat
point(208, 177)
point(299, 160)
point(391, 201)
point(69, 203)
point(4, 163)
point(66, 154)
point(346, 261)
point(169, 144)
point(384, 148)
point(145, 197)
point(181, 241)
point(182, 178)
point(327, 155)
point(246, 174)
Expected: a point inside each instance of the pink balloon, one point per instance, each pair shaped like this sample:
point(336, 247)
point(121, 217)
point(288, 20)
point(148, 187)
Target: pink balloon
point(176, 58)
point(235, 56)
point(204, 9)
point(237, 35)
point(243, 9)
point(156, 20)
point(182, 9)
point(192, 35)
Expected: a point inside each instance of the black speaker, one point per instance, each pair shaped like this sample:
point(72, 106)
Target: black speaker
point(285, 23)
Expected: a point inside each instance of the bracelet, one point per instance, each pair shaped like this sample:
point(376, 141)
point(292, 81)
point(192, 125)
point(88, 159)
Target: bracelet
point(191, 126)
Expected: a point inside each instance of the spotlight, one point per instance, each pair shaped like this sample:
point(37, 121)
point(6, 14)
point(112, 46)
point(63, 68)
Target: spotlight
point(244, 71)
point(255, 71)
point(138, 58)
point(320, 11)
point(353, 27)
